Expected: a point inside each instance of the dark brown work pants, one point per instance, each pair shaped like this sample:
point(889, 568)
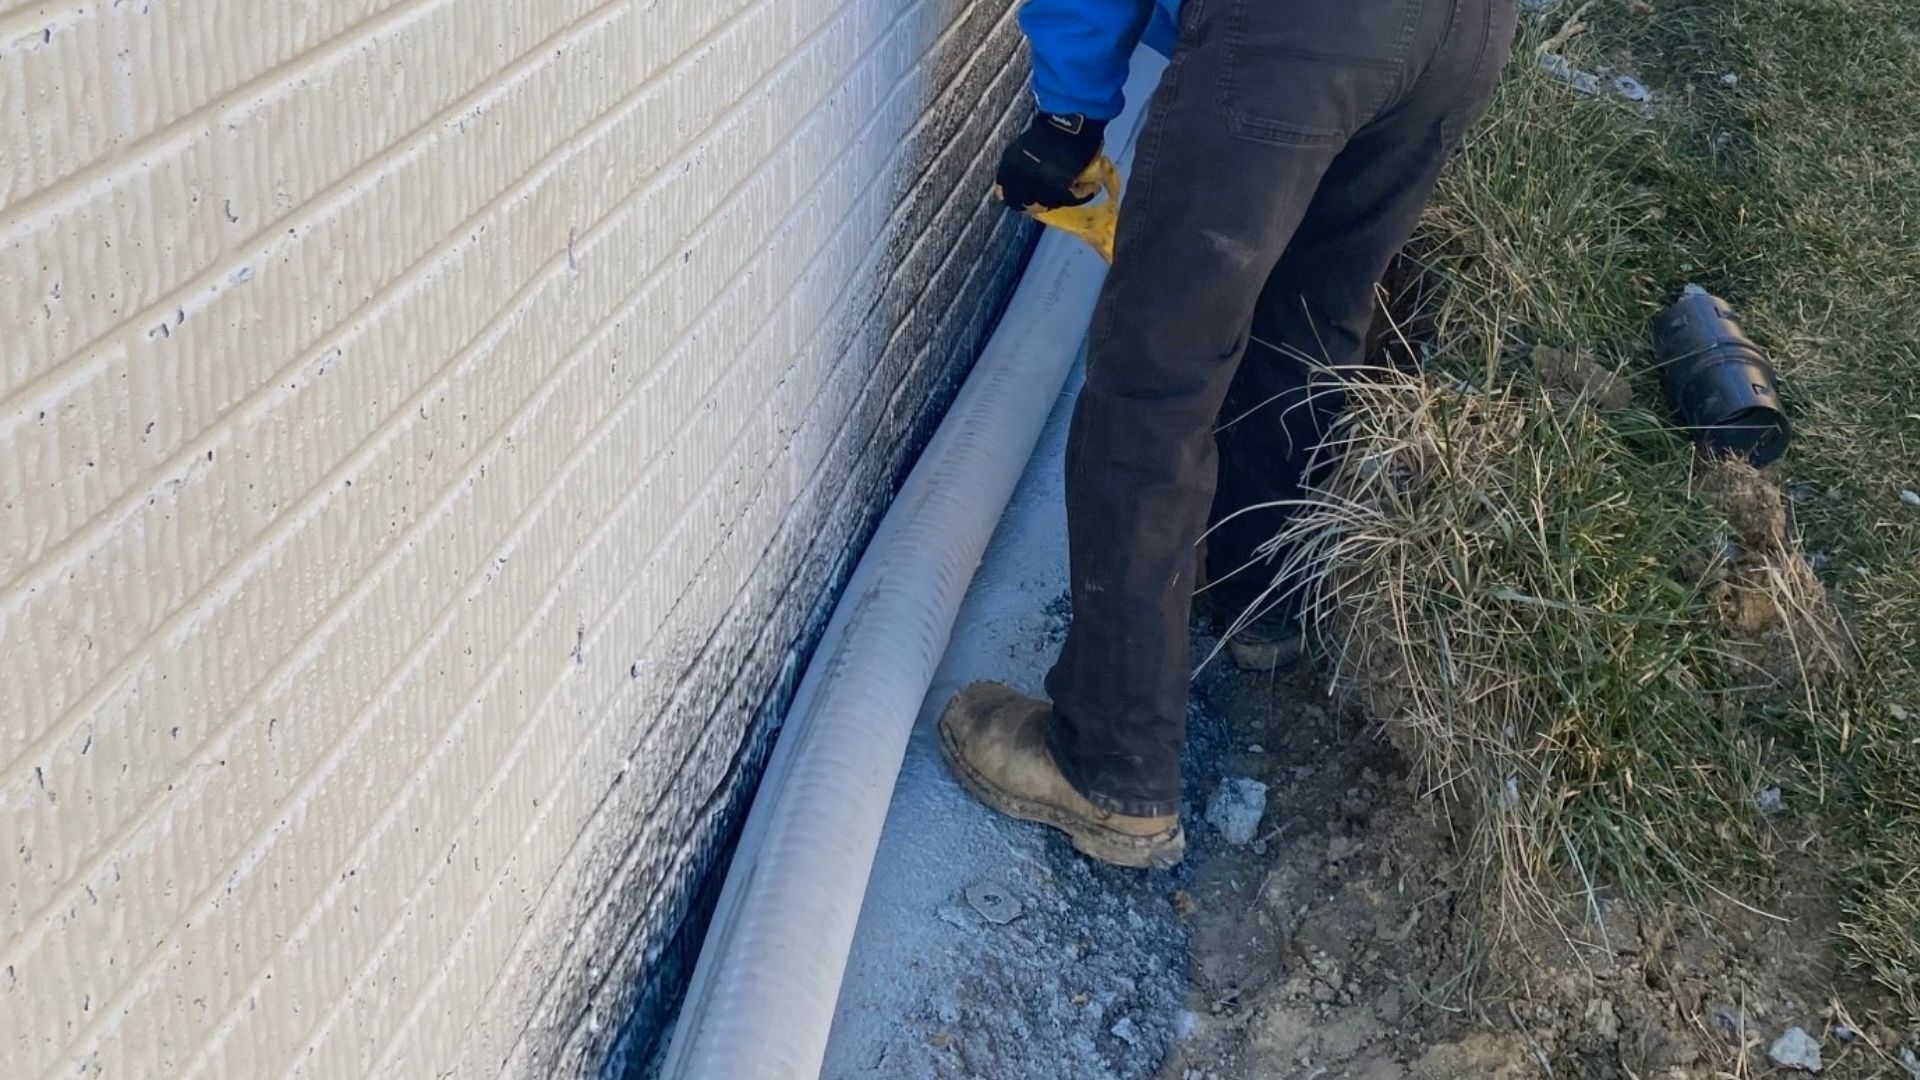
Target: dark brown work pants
point(1286, 157)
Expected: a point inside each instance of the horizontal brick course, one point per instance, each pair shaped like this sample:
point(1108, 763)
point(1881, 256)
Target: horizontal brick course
point(434, 431)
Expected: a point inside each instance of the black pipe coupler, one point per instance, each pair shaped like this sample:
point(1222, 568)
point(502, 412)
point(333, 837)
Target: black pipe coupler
point(1718, 382)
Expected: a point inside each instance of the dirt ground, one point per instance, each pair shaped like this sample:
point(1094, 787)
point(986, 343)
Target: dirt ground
point(1335, 942)
point(1338, 943)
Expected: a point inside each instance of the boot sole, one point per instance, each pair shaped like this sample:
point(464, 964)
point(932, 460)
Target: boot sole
point(1162, 851)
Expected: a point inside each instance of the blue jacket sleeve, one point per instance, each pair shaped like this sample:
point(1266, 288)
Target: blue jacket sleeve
point(1163, 29)
point(1080, 52)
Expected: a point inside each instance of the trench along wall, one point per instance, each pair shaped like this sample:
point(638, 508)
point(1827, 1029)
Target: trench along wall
point(431, 432)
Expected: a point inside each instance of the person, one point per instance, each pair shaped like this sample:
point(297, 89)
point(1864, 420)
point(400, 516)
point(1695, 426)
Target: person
point(1286, 156)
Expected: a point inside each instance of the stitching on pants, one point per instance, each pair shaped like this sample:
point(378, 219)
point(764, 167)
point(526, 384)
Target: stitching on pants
point(1227, 84)
point(1450, 129)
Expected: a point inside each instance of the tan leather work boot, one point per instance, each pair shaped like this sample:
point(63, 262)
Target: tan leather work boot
point(1263, 645)
point(995, 740)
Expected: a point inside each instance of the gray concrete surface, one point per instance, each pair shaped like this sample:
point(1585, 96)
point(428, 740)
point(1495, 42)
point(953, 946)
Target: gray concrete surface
point(988, 948)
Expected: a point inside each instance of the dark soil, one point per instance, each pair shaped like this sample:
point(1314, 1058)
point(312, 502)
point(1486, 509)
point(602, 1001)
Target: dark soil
point(1344, 944)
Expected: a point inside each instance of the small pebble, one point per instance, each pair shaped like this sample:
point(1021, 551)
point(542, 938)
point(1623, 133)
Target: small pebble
point(1124, 1031)
point(1910, 496)
point(1236, 809)
point(1796, 1050)
point(1769, 800)
point(1730, 79)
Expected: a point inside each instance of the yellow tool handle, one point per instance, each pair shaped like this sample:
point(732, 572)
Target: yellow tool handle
point(1093, 222)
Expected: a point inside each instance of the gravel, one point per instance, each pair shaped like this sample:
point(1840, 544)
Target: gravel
point(988, 947)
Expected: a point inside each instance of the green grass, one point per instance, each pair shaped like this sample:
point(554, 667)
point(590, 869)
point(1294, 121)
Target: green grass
point(1546, 576)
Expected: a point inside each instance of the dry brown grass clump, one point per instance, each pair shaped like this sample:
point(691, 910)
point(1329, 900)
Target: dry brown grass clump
point(1571, 639)
point(1613, 656)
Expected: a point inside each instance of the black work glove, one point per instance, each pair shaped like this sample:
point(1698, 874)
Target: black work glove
point(1039, 167)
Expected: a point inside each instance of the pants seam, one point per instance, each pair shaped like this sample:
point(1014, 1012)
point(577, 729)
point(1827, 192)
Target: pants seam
point(1450, 125)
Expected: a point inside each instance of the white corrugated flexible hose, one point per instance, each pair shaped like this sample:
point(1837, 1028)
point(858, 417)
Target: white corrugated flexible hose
point(764, 988)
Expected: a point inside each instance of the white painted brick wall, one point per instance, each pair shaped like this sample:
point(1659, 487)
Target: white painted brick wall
point(431, 432)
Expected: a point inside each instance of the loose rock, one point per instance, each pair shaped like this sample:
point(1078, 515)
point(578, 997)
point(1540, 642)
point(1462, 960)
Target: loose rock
point(1796, 1050)
point(1236, 809)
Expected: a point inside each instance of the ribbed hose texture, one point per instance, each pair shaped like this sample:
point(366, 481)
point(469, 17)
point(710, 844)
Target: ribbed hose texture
point(763, 994)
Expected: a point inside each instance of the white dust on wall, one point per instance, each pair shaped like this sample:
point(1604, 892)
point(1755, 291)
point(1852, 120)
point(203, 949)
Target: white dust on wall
point(429, 434)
